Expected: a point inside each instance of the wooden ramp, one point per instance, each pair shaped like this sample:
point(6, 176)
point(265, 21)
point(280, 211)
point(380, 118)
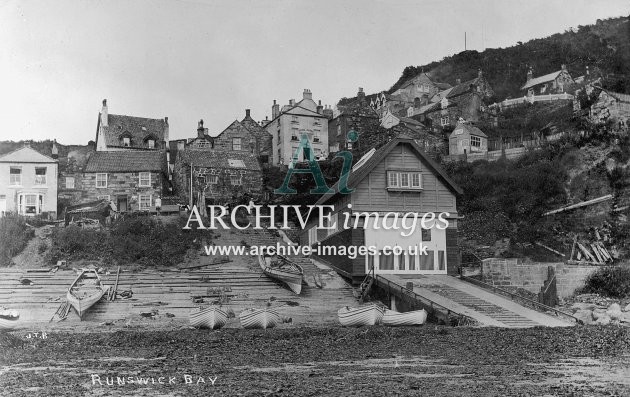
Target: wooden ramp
point(454, 296)
point(171, 294)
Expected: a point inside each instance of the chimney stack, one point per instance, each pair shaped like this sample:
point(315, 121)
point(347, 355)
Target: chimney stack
point(563, 67)
point(200, 129)
point(104, 115)
point(459, 81)
point(480, 73)
point(166, 131)
point(55, 150)
point(291, 102)
point(360, 94)
point(275, 110)
point(247, 114)
point(307, 94)
point(530, 74)
point(587, 71)
point(320, 108)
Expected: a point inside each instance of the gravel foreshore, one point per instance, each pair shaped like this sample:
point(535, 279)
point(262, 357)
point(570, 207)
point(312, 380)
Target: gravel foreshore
point(319, 361)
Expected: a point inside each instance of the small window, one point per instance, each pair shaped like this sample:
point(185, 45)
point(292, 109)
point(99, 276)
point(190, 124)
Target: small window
point(213, 179)
point(69, 182)
point(15, 176)
point(392, 179)
point(180, 145)
point(145, 179)
point(475, 141)
point(126, 141)
point(236, 180)
point(40, 175)
point(151, 144)
point(426, 234)
point(144, 202)
point(104, 197)
point(444, 121)
point(236, 144)
point(101, 180)
point(404, 179)
point(416, 180)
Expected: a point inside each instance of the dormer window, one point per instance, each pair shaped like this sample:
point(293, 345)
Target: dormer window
point(126, 141)
point(151, 144)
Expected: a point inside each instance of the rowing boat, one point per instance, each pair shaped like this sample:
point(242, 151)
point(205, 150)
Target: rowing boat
point(261, 318)
point(85, 291)
point(9, 319)
point(416, 317)
point(212, 317)
point(284, 270)
point(370, 314)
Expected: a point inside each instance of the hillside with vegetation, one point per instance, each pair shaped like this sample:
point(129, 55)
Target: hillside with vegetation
point(504, 201)
point(604, 47)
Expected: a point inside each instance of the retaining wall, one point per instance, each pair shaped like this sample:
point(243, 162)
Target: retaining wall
point(531, 275)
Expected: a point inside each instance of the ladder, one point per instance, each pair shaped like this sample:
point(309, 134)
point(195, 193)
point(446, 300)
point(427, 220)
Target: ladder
point(366, 284)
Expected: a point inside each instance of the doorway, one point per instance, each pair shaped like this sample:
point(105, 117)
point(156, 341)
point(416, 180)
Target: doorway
point(122, 203)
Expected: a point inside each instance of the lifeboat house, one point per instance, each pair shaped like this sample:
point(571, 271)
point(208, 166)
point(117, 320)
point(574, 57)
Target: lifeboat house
point(401, 178)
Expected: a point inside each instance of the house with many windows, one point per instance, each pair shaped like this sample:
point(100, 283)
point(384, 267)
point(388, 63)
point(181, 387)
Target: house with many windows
point(28, 183)
point(398, 178)
point(292, 121)
point(132, 180)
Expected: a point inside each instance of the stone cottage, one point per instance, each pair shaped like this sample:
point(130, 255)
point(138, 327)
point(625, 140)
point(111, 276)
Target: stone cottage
point(132, 180)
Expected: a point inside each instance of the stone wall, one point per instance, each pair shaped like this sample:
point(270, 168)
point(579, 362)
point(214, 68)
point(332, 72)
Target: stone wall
point(122, 186)
point(531, 275)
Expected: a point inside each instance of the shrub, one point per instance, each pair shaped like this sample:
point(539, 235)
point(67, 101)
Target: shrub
point(613, 281)
point(143, 240)
point(14, 235)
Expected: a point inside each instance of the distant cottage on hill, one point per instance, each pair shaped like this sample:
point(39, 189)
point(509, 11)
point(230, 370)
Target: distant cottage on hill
point(553, 83)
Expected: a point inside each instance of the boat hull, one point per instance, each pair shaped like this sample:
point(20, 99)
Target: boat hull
point(210, 318)
point(360, 316)
point(394, 318)
point(82, 294)
point(9, 322)
point(291, 277)
point(259, 318)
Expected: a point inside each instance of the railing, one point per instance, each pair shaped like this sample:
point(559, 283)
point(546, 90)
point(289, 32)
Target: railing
point(516, 297)
point(531, 99)
point(424, 301)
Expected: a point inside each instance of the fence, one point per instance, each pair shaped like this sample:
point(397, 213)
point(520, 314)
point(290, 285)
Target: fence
point(508, 103)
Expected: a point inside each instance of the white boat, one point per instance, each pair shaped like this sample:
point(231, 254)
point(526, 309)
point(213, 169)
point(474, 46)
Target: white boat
point(370, 314)
point(212, 317)
point(284, 270)
point(416, 317)
point(261, 318)
point(85, 291)
point(9, 319)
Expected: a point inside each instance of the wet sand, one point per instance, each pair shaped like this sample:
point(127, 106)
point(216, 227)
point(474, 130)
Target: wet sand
point(318, 361)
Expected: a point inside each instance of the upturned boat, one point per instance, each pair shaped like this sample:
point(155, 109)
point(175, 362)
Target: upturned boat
point(284, 270)
point(85, 291)
point(394, 318)
point(261, 318)
point(212, 317)
point(370, 314)
point(8, 319)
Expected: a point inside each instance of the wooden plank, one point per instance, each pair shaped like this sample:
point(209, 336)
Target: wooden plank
point(549, 249)
point(597, 255)
point(578, 205)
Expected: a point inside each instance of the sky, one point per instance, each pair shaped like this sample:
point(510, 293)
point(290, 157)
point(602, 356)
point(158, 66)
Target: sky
point(211, 60)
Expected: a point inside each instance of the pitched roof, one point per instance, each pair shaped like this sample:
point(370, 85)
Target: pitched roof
point(137, 128)
point(462, 88)
point(620, 97)
point(127, 161)
point(542, 79)
point(252, 126)
point(26, 154)
point(221, 159)
point(471, 129)
point(378, 156)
